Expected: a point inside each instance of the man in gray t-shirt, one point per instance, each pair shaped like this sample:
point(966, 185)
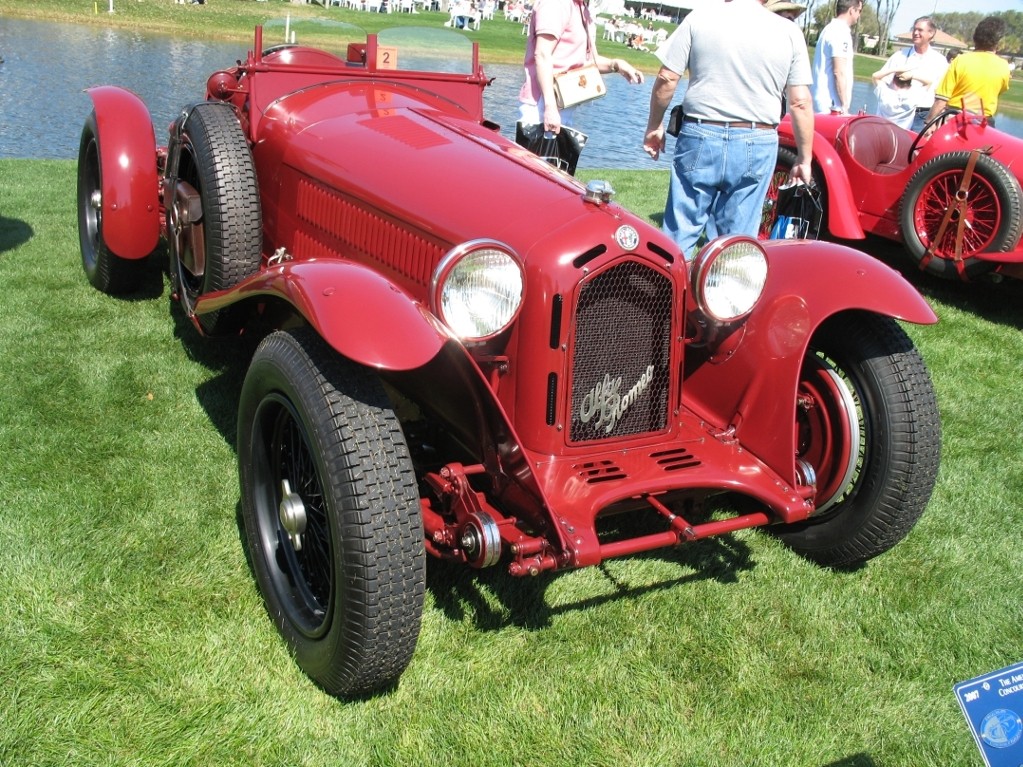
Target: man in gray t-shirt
point(741, 60)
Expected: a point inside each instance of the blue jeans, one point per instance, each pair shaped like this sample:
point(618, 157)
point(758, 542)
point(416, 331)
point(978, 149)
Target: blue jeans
point(719, 178)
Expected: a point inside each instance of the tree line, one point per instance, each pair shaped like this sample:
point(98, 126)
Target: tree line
point(878, 15)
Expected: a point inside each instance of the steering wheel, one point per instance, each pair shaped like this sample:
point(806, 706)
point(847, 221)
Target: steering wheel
point(934, 122)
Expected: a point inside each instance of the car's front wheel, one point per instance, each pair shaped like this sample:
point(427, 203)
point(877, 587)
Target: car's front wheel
point(868, 436)
point(331, 513)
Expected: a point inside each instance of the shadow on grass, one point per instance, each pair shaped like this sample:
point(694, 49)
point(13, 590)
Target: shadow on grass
point(856, 760)
point(13, 232)
point(228, 357)
point(999, 302)
point(460, 591)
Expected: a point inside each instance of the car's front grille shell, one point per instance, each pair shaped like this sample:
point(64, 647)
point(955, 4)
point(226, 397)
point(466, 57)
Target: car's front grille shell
point(621, 353)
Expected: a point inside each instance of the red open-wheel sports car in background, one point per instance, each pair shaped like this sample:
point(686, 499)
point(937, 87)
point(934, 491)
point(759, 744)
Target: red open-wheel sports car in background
point(468, 354)
point(952, 199)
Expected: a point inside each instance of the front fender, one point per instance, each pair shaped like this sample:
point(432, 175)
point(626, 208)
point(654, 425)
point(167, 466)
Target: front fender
point(130, 186)
point(843, 215)
point(357, 311)
point(749, 381)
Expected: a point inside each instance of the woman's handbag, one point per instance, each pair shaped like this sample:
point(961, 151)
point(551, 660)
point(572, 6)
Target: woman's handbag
point(578, 85)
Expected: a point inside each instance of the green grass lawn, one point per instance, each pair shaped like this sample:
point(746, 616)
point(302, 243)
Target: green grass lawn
point(133, 633)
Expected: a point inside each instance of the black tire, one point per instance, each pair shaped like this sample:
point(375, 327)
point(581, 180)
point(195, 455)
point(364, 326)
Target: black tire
point(348, 601)
point(994, 208)
point(769, 216)
point(213, 158)
point(105, 271)
point(869, 429)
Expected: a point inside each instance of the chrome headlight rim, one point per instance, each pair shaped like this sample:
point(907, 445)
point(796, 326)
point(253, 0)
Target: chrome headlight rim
point(710, 263)
point(448, 266)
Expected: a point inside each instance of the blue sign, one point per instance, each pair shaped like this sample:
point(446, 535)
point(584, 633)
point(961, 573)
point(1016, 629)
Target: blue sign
point(993, 706)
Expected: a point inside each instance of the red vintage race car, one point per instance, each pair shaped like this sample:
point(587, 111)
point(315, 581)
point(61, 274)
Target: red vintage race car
point(953, 200)
point(468, 354)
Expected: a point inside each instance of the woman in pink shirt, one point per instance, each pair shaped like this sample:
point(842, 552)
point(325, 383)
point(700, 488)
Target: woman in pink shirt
point(562, 35)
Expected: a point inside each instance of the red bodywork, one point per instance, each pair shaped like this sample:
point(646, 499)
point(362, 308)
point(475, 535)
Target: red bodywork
point(368, 177)
point(866, 166)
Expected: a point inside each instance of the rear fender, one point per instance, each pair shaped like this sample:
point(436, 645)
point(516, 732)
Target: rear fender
point(358, 312)
point(130, 186)
point(843, 218)
point(747, 383)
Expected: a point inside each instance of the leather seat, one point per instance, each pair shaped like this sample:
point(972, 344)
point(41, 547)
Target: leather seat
point(878, 144)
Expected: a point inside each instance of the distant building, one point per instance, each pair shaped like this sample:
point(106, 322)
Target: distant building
point(943, 42)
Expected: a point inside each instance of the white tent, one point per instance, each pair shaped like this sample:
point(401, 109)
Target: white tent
point(608, 7)
point(685, 5)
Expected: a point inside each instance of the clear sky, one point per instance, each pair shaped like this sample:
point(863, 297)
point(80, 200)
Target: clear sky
point(913, 9)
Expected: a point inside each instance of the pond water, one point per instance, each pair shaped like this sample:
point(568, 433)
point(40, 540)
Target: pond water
point(47, 66)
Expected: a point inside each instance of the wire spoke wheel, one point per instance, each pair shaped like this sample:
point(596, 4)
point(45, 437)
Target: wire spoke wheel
point(331, 511)
point(293, 519)
point(945, 225)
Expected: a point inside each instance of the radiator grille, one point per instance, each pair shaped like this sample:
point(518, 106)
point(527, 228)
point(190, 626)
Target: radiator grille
point(621, 364)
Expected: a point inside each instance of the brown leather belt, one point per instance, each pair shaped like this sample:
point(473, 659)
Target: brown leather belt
point(736, 124)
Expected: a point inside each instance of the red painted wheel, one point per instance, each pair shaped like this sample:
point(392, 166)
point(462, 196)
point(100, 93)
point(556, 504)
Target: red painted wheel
point(984, 219)
point(769, 214)
point(786, 159)
point(867, 436)
point(829, 438)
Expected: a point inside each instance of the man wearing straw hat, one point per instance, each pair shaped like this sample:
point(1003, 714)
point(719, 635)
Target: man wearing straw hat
point(741, 59)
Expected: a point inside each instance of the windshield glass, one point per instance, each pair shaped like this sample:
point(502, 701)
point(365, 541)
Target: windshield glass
point(425, 49)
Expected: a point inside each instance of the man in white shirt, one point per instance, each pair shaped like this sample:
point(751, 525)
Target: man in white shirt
point(833, 60)
point(924, 64)
point(741, 59)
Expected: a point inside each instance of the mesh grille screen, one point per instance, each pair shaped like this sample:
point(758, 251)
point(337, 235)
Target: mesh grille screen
point(620, 373)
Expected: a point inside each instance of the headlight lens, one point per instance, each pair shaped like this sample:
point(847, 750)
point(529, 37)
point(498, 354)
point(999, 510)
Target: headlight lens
point(729, 277)
point(477, 290)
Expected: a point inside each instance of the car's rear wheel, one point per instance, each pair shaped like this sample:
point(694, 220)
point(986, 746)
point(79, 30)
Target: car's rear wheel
point(104, 270)
point(769, 216)
point(944, 227)
point(868, 434)
point(331, 513)
point(214, 218)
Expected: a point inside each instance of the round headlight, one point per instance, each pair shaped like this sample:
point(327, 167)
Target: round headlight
point(729, 277)
point(477, 290)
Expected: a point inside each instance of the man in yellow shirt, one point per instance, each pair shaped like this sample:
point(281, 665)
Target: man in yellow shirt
point(975, 79)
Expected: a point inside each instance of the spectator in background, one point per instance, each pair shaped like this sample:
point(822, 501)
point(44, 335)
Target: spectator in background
point(785, 9)
point(562, 36)
point(833, 60)
point(926, 66)
point(894, 91)
point(975, 79)
point(740, 59)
